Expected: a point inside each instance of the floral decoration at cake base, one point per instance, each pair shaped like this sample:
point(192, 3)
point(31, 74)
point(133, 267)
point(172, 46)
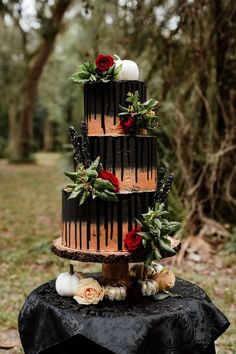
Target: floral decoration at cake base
point(144, 281)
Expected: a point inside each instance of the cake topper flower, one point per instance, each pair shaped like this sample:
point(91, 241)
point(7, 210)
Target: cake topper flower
point(137, 115)
point(102, 70)
point(104, 62)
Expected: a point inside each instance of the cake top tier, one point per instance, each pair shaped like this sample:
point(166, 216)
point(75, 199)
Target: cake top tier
point(114, 99)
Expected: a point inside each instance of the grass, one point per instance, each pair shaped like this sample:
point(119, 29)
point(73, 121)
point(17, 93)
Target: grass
point(30, 202)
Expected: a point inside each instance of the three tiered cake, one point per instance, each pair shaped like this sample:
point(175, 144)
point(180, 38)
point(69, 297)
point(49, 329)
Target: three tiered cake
point(115, 180)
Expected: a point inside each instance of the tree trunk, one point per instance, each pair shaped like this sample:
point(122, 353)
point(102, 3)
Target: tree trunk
point(12, 136)
point(34, 73)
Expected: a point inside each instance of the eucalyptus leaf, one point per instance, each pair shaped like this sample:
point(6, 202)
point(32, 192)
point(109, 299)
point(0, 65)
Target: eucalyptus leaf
point(157, 254)
point(71, 185)
point(161, 296)
point(72, 175)
point(83, 197)
point(94, 165)
point(123, 114)
point(144, 242)
point(149, 258)
point(150, 103)
point(107, 196)
point(166, 247)
point(75, 194)
point(93, 77)
point(92, 173)
point(101, 184)
point(172, 294)
point(123, 109)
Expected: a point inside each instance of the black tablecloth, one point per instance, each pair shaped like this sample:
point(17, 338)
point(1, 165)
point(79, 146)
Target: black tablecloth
point(190, 323)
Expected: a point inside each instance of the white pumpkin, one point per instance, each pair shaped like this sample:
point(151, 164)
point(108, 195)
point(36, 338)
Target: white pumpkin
point(129, 69)
point(67, 283)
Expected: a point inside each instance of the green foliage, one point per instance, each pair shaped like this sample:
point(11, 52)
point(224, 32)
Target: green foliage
point(144, 114)
point(163, 295)
point(87, 183)
point(155, 229)
point(88, 73)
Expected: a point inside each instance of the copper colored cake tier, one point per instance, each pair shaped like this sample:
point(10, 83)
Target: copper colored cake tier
point(132, 159)
point(101, 105)
point(101, 226)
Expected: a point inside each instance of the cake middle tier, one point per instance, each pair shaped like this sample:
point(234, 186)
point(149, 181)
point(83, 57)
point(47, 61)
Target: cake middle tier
point(132, 159)
point(99, 225)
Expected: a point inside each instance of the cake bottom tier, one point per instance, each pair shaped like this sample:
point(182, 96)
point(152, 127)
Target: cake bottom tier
point(102, 226)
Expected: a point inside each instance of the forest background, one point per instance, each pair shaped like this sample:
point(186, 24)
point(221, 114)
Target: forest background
point(186, 52)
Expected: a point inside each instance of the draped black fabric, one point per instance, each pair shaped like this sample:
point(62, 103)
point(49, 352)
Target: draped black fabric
point(189, 323)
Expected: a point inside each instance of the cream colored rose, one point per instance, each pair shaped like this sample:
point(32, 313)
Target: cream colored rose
point(165, 279)
point(89, 292)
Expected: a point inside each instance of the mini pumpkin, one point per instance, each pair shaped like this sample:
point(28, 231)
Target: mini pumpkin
point(129, 69)
point(67, 283)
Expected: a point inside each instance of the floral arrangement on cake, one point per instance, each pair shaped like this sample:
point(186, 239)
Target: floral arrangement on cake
point(105, 69)
point(92, 181)
point(138, 116)
point(152, 236)
point(89, 179)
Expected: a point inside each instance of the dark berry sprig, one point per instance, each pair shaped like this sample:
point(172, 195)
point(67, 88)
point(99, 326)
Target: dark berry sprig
point(85, 144)
point(75, 141)
point(159, 190)
point(166, 189)
point(163, 187)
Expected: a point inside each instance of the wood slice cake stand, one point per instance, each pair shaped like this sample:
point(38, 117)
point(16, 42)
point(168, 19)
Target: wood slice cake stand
point(115, 265)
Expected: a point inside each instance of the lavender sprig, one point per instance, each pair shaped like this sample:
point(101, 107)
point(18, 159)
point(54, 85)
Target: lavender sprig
point(85, 144)
point(74, 138)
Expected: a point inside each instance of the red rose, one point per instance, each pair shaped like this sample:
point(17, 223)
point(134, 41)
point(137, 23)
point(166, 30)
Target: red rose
point(104, 62)
point(126, 124)
point(111, 178)
point(133, 241)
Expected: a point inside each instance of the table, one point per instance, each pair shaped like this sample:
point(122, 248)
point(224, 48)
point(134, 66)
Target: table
point(189, 323)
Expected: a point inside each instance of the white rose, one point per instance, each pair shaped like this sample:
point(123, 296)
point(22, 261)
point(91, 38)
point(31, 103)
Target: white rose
point(89, 292)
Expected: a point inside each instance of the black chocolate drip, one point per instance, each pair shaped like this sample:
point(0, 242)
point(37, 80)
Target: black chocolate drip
point(105, 98)
point(103, 214)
